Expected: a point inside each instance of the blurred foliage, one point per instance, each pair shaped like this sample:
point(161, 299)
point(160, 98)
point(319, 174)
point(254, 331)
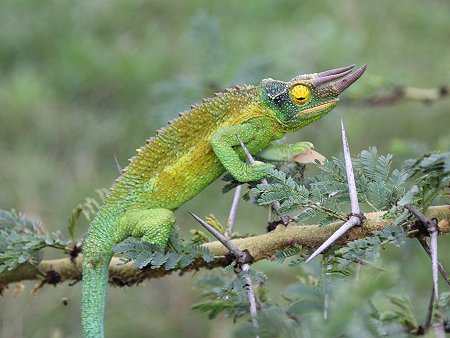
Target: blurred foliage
point(432, 172)
point(22, 239)
point(83, 81)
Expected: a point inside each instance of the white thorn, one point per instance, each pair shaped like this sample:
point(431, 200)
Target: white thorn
point(335, 236)
point(434, 261)
point(349, 171)
point(353, 220)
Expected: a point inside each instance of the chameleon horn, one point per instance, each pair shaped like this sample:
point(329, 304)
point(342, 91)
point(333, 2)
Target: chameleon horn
point(325, 79)
point(335, 71)
point(347, 81)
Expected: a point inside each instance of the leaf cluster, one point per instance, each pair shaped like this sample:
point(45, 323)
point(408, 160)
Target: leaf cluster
point(22, 240)
point(228, 295)
point(91, 205)
point(327, 193)
point(306, 302)
point(379, 188)
point(177, 255)
point(368, 249)
point(432, 174)
point(401, 314)
point(280, 256)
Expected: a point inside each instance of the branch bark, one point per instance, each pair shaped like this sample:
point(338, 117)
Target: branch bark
point(260, 247)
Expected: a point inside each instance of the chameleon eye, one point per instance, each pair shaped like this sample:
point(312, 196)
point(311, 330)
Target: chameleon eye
point(300, 94)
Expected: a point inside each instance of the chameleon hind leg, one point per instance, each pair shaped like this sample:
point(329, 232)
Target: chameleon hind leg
point(152, 225)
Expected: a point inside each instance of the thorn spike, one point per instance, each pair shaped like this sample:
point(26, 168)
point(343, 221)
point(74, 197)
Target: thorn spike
point(333, 238)
point(349, 171)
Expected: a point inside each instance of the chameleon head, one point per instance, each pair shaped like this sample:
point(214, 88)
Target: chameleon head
point(308, 97)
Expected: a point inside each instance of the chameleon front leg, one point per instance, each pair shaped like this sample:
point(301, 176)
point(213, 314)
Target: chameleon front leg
point(282, 152)
point(223, 141)
point(152, 225)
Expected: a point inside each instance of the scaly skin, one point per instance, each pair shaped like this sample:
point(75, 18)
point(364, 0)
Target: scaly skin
point(187, 156)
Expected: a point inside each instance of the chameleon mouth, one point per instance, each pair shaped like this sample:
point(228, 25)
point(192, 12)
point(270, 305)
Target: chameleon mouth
point(320, 108)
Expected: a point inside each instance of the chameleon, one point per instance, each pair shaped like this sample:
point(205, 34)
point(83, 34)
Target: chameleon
point(190, 153)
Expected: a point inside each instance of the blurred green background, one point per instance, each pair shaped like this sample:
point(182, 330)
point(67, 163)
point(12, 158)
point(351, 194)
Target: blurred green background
point(83, 81)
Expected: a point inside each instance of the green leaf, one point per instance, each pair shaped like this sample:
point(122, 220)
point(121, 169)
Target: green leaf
point(172, 261)
point(22, 240)
point(73, 221)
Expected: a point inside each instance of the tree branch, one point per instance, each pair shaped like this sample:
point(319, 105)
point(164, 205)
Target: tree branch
point(260, 247)
point(399, 94)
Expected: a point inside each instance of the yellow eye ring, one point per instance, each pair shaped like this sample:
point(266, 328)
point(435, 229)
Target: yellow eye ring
point(300, 94)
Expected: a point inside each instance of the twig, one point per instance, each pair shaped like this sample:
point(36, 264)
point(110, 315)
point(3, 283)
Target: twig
point(275, 205)
point(233, 210)
point(326, 302)
point(429, 317)
point(251, 300)
point(431, 226)
point(429, 223)
point(326, 295)
point(396, 95)
point(251, 291)
point(441, 268)
point(355, 217)
point(241, 258)
point(434, 261)
point(245, 267)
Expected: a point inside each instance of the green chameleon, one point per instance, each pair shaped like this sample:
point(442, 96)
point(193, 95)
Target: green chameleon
point(188, 155)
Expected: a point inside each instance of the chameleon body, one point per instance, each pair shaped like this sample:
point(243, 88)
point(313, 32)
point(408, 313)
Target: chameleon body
point(189, 154)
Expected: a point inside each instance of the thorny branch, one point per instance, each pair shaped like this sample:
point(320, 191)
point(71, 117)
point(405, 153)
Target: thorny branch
point(355, 217)
point(233, 210)
point(275, 205)
point(242, 260)
point(431, 226)
point(429, 311)
point(427, 249)
point(251, 292)
point(240, 256)
point(260, 247)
